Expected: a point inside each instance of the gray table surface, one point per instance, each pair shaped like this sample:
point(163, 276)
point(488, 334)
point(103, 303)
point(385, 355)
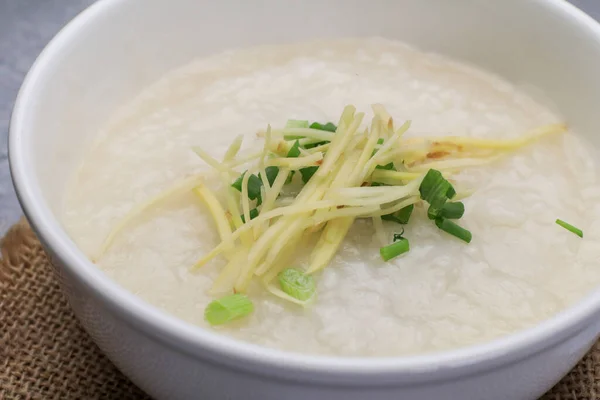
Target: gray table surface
point(25, 28)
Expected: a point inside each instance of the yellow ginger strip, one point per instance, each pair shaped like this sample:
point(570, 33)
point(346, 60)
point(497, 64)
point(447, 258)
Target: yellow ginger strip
point(177, 189)
point(454, 165)
point(225, 280)
point(503, 144)
point(284, 256)
point(310, 191)
point(344, 145)
point(306, 132)
point(210, 160)
point(340, 141)
point(296, 162)
point(390, 177)
point(263, 175)
point(417, 149)
point(233, 149)
point(243, 160)
point(277, 236)
point(245, 201)
point(215, 210)
point(376, 159)
point(336, 230)
point(271, 196)
point(289, 210)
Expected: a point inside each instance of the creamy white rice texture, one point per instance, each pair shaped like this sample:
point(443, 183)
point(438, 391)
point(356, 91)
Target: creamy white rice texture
point(519, 269)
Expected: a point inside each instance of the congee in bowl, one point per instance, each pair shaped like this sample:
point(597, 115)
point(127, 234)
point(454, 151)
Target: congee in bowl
point(354, 197)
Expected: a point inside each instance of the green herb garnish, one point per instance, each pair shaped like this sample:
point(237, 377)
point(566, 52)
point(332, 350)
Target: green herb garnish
point(453, 229)
point(297, 284)
point(293, 124)
point(388, 166)
point(296, 123)
point(294, 150)
point(570, 227)
point(329, 127)
point(271, 173)
point(253, 214)
point(395, 249)
point(254, 185)
point(435, 190)
point(402, 216)
point(227, 309)
point(453, 210)
point(307, 173)
point(311, 145)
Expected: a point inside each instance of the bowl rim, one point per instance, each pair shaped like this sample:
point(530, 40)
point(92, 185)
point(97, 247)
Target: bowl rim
point(201, 343)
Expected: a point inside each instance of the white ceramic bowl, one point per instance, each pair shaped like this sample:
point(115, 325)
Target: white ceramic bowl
point(117, 47)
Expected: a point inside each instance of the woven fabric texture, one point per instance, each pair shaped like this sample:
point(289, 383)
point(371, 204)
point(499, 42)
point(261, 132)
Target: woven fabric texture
point(45, 353)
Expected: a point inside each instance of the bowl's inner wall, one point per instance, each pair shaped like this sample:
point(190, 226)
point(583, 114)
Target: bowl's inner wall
point(108, 56)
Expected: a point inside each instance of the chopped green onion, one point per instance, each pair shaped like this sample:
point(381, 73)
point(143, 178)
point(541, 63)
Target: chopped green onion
point(311, 145)
point(394, 250)
point(271, 173)
point(297, 284)
point(254, 185)
point(253, 214)
point(296, 123)
point(570, 227)
point(451, 192)
point(435, 190)
point(401, 216)
point(452, 210)
point(329, 127)
point(227, 309)
point(380, 141)
point(294, 150)
point(307, 173)
point(453, 229)
point(388, 166)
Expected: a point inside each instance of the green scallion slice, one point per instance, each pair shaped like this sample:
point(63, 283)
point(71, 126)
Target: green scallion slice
point(307, 173)
point(435, 190)
point(570, 227)
point(297, 284)
point(227, 309)
point(452, 210)
point(311, 145)
point(388, 166)
point(453, 229)
point(271, 173)
point(253, 214)
point(254, 185)
point(402, 216)
point(294, 150)
point(395, 249)
point(295, 123)
point(329, 127)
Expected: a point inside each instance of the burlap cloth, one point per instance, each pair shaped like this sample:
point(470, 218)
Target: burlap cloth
point(45, 354)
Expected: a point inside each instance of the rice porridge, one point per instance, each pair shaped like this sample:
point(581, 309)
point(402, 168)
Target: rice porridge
point(519, 269)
